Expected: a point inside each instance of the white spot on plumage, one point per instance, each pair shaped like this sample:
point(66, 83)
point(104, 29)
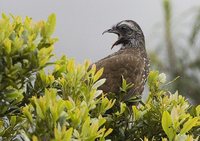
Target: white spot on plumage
point(126, 23)
point(129, 24)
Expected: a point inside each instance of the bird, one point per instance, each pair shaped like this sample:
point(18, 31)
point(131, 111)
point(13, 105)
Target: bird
point(130, 61)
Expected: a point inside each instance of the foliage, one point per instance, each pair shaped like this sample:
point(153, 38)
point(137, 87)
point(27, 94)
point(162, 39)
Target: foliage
point(164, 116)
point(38, 106)
point(177, 53)
point(25, 49)
point(66, 104)
point(72, 96)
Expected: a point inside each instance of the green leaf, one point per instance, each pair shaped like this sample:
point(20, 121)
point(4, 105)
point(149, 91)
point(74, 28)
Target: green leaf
point(49, 26)
point(4, 16)
point(38, 108)
point(136, 113)
point(153, 77)
point(85, 127)
point(101, 121)
point(13, 120)
point(153, 81)
point(106, 104)
point(95, 126)
point(14, 96)
point(68, 134)
point(34, 138)
point(7, 45)
point(122, 109)
point(27, 113)
point(70, 66)
point(167, 125)
point(198, 110)
point(98, 74)
point(189, 124)
point(44, 55)
point(125, 86)
point(108, 132)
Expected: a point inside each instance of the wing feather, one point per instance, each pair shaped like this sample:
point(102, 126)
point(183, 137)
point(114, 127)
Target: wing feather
point(128, 63)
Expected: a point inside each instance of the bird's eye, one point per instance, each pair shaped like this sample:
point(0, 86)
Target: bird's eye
point(125, 28)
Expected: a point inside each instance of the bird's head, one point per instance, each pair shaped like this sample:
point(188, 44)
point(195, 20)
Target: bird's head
point(129, 32)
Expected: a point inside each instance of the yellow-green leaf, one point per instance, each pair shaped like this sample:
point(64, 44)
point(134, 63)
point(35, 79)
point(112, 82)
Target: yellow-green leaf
point(49, 27)
point(7, 45)
point(98, 74)
point(38, 108)
point(13, 120)
point(34, 138)
point(27, 113)
point(68, 134)
point(85, 127)
point(167, 125)
point(198, 110)
point(189, 124)
point(71, 66)
point(108, 132)
point(136, 113)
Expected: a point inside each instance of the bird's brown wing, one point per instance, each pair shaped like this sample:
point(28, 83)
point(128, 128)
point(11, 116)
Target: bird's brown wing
point(128, 63)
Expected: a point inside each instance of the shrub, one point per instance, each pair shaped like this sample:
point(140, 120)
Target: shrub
point(66, 104)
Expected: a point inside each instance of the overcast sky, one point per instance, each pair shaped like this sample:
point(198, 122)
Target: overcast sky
point(80, 23)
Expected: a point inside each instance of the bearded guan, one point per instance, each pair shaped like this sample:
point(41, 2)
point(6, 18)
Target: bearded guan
point(130, 61)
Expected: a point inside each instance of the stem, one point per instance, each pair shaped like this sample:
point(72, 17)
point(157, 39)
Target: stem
point(168, 38)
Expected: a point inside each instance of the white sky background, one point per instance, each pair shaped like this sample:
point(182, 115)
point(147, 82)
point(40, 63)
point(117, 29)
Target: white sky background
point(80, 23)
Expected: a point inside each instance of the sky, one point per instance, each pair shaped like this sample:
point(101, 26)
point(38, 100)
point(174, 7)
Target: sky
point(80, 23)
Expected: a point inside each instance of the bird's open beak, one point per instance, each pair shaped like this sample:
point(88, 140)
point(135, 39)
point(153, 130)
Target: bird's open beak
point(112, 30)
